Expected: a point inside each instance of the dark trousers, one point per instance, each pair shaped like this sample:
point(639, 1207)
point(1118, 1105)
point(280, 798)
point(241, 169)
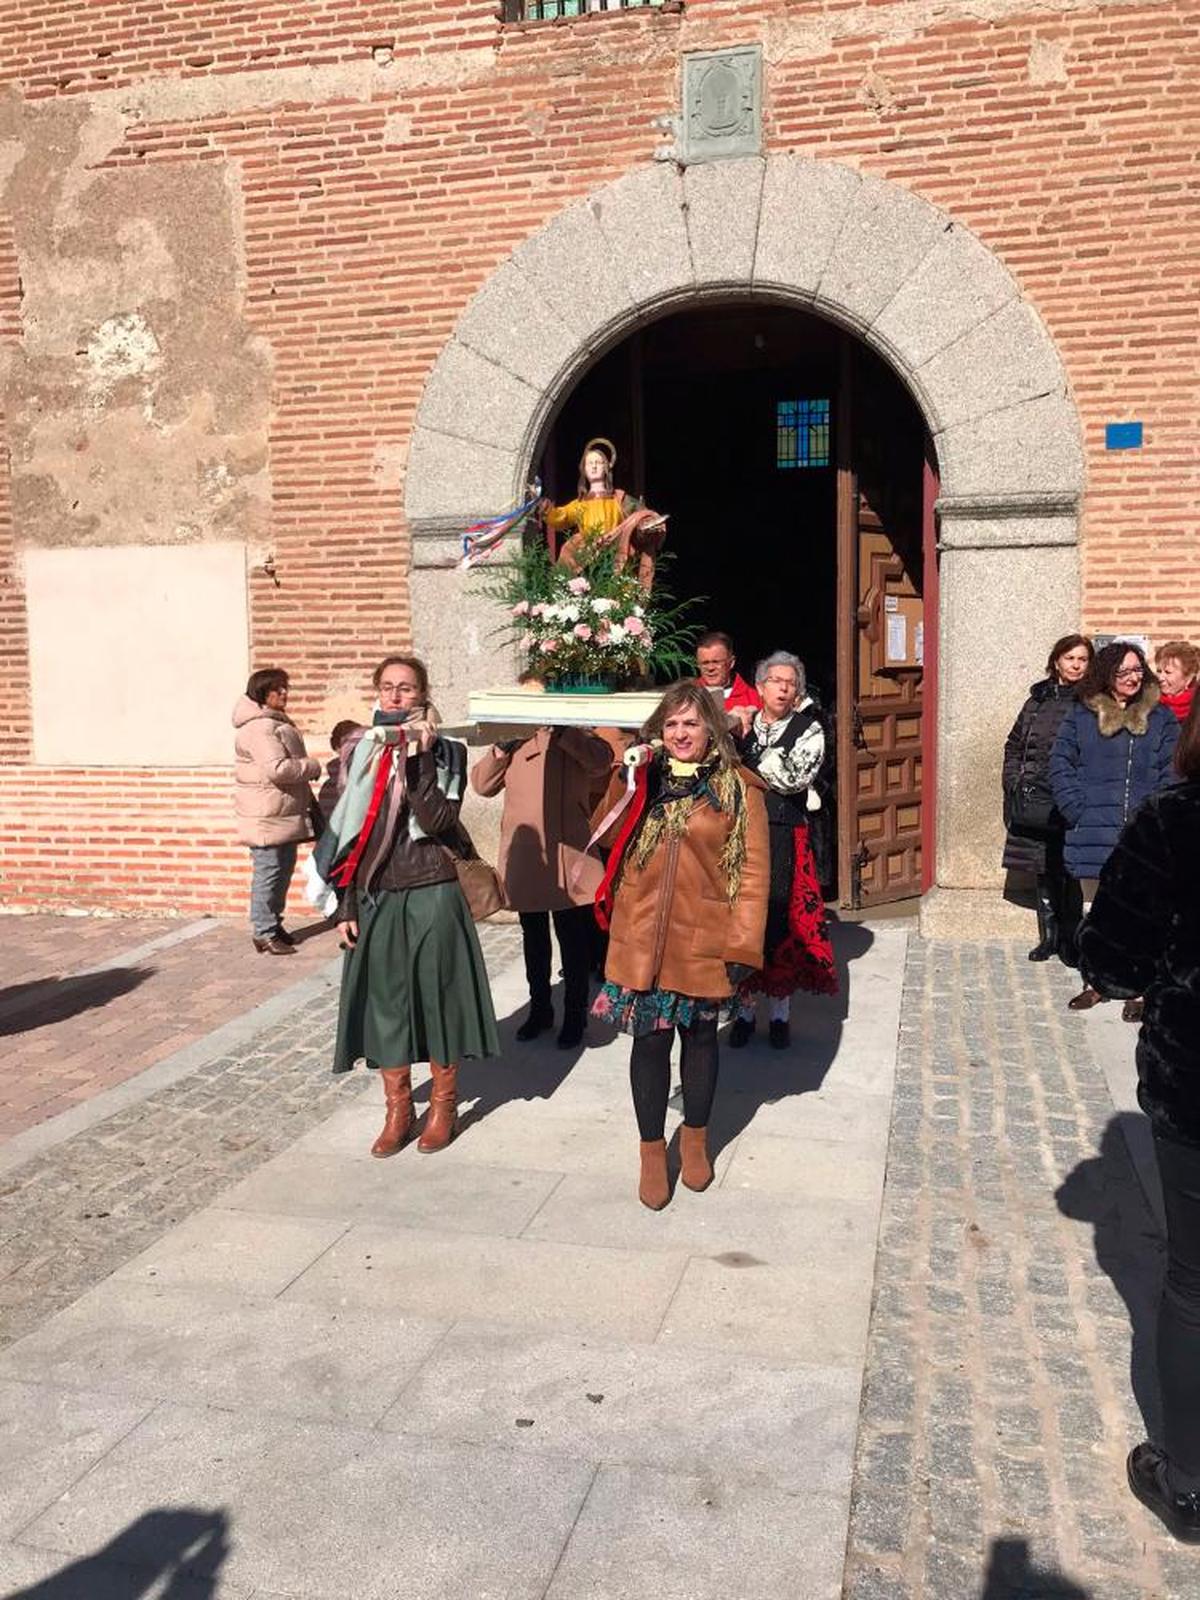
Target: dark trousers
point(650, 1076)
point(572, 929)
point(1179, 1311)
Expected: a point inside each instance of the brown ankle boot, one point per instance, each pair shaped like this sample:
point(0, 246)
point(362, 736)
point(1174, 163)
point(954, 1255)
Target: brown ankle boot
point(441, 1124)
point(654, 1189)
point(397, 1094)
point(695, 1169)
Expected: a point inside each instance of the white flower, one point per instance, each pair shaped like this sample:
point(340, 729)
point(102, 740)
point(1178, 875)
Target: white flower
point(616, 634)
point(639, 611)
point(602, 605)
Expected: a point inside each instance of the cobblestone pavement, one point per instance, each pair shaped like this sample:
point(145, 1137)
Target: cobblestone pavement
point(1016, 1250)
point(73, 1215)
point(90, 1002)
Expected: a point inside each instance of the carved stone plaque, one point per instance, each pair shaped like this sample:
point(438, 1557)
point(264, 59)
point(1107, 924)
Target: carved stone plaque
point(722, 104)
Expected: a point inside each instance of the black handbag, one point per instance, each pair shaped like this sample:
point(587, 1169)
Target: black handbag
point(1033, 810)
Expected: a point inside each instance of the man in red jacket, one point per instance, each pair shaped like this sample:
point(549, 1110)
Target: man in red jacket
point(715, 663)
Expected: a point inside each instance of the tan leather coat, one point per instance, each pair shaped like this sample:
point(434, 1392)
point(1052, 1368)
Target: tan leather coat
point(673, 926)
point(549, 784)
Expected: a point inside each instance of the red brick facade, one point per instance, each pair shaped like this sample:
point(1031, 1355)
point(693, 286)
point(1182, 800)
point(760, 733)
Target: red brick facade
point(390, 157)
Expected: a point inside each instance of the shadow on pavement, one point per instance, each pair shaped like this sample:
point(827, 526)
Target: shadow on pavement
point(45, 1001)
point(757, 1075)
point(181, 1546)
point(1104, 1190)
point(1011, 1576)
point(533, 1071)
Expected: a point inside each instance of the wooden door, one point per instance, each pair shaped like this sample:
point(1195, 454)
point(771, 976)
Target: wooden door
point(881, 635)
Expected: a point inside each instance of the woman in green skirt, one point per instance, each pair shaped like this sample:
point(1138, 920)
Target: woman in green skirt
point(414, 984)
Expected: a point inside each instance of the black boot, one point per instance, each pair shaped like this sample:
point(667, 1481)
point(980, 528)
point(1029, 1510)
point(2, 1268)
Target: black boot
point(1149, 1478)
point(1070, 915)
point(1048, 930)
point(539, 1020)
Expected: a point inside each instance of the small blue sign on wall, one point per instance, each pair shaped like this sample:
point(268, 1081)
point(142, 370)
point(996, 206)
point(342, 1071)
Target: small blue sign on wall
point(1122, 436)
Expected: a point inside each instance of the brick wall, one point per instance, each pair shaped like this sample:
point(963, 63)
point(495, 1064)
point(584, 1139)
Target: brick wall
point(390, 157)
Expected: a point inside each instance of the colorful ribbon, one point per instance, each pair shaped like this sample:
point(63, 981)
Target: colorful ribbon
point(482, 539)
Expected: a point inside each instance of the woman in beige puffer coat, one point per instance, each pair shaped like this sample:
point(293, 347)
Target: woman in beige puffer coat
point(272, 799)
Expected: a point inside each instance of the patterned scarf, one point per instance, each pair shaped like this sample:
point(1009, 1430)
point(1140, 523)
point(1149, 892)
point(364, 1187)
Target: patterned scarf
point(683, 787)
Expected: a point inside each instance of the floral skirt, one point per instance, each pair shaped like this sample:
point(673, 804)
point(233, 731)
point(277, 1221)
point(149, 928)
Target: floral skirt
point(642, 1011)
point(798, 954)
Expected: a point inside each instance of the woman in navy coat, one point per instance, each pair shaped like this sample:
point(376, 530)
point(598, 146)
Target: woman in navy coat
point(1113, 750)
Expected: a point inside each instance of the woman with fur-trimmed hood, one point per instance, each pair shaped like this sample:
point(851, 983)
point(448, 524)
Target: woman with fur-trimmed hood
point(1114, 750)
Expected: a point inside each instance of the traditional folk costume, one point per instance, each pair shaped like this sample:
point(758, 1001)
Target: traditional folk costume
point(788, 755)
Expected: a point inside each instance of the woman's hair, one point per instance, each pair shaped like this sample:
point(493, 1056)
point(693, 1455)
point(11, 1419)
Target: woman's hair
point(1182, 651)
point(782, 658)
point(1069, 641)
point(1101, 676)
point(686, 693)
point(1187, 751)
point(342, 731)
point(414, 664)
point(264, 682)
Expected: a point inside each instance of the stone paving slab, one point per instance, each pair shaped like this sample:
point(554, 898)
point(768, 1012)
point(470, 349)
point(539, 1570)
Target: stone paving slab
point(343, 1512)
point(637, 1405)
point(312, 1362)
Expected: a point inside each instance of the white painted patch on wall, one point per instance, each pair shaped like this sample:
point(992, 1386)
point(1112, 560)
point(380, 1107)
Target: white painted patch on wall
point(136, 653)
point(122, 347)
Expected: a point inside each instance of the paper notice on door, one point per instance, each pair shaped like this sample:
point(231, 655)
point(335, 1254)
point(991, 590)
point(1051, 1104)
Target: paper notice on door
point(919, 643)
point(897, 637)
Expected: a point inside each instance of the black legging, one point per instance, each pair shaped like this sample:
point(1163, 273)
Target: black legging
point(1179, 1311)
point(573, 930)
point(650, 1076)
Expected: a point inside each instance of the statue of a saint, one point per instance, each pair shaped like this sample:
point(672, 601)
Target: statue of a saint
point(603, 517)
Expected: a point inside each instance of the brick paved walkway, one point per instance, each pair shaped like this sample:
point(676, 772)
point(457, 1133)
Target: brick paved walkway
point(1016, 1247)
point(80, 1011)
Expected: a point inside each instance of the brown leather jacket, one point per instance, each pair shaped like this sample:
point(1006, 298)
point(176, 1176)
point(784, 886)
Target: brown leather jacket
point(395, 860)
point(673, 925)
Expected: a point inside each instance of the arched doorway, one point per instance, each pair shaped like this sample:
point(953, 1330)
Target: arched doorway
point(792, 462)
point(910, 284)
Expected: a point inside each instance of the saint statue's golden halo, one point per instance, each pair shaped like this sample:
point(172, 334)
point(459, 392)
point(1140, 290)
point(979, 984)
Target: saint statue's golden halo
point(606, 447)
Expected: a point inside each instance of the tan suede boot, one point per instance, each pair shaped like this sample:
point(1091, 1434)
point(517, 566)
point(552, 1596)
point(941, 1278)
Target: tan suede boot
point(441, 1124)
point(695, 1169)
point(397, 1124)
point(654, 1188)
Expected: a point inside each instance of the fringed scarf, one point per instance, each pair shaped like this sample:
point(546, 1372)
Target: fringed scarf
point(685, 785)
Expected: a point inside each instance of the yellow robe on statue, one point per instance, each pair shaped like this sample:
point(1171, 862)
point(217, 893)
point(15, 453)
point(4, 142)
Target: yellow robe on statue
point(592, 516)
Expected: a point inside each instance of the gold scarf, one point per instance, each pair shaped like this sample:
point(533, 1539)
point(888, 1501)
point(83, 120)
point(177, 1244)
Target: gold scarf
point(669, 821)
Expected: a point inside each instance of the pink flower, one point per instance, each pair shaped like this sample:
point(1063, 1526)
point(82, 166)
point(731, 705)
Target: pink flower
point(582, 631)
point(579, 586)
point(548, 645)
point(634, 626)
point(521, 609)
point(527, 641)
point(536, 611)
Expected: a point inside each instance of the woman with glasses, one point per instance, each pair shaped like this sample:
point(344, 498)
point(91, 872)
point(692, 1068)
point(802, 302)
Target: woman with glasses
point(414, 984)
point(1113, 750)
point(785, 746)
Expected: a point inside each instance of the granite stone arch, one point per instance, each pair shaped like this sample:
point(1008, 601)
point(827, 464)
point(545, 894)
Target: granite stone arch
point(878, 260)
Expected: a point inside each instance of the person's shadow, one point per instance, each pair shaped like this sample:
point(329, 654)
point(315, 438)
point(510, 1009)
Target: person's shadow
point(45, 1001)
point(758, 1076)
point(1011, 1576)
point(180, 1546)
point(1104, 1190)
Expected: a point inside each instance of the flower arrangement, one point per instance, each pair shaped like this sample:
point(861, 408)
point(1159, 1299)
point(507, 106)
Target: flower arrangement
point(595, 628)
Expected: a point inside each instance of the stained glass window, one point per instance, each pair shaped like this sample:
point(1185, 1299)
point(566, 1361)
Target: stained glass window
point(802, 433)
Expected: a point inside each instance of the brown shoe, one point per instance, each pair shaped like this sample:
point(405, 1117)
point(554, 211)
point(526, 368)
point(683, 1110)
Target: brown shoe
point(1085, 1000)
point(441, 1123)
point(695, 1169)
point(654, 1188)
point(397, 1124)
point(274, 946)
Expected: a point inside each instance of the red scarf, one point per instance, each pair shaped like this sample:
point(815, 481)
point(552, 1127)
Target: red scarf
point(1180, 703)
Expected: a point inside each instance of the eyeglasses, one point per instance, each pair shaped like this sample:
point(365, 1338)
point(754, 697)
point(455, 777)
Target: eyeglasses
point(781, 683)
point(399, 688)
point(1130, 672)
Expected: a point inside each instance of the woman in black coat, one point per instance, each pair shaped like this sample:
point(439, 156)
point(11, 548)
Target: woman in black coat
point(1142, 936)
point(1034, 843)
